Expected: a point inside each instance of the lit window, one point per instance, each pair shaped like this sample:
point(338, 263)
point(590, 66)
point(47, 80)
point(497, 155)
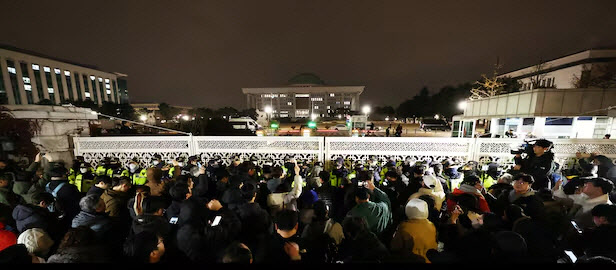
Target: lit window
point(50, 90)
point(12, 70)
point(316, 107)
point(100, 79)
point(317, 99)
point(26, 79)
point(28, 87)
point(107, 86)
point(284, 115)
point(56, 70)
point(67, 73)
point(289, 103)
point(302, 95)
point(107, 80)
point(87, 94)
point(284, 111)
point(35, 67)
point(92, 77)
point(332, 95)
point(329, 107)
point(108, 92)
point(283, 95)
point(46, 69)
point(347, 103)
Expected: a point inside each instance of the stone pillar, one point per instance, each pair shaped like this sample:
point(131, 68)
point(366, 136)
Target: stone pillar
point(7, 81)
point(539, 126)
point(44, 82)
point(54, 83)
point(58, 126)
point(20, 83)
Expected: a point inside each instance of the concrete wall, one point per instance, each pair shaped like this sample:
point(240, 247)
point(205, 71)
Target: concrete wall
point(58, 125)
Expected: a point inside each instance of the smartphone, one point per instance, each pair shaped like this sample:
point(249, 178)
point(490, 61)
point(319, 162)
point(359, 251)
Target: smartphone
point(576, 226)
point(571, 255)
point(216, 220)
point(173, 220)
point(199, 164)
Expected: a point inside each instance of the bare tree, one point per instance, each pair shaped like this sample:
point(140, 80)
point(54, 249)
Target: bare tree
point(488, 87)
point(598, 75)
point(538, 74)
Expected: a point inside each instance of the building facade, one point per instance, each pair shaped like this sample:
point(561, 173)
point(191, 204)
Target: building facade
point(552, 102)
point(306, 95)
point(29, 77)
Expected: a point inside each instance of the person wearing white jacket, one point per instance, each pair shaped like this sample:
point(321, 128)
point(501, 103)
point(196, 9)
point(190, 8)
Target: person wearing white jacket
point(286, 200)
point(433, 187)
point(596, 191)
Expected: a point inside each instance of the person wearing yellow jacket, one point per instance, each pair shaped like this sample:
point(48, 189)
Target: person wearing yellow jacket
point(416, 228)
point(84, 178)
point(137, 175)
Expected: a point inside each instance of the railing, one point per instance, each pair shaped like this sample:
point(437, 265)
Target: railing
point(310, 149)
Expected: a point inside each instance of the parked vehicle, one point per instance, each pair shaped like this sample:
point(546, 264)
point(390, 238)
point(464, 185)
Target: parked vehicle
point(340, 127)
point(434, 124)
point(245, 123)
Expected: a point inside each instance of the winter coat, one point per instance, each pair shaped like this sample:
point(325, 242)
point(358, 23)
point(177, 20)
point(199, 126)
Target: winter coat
point(7, 197)
point(539, 167)
point(115, 202)
point(581, 213)
point(199, 241)
point(532, 205)
point(87, 254)
point(67, 199)
point(539, 241)
point(377, 211)
point(417, 229)
point(273, 252)
point(286, 200)
point(99, 223)
point(365, 248)
point(451, 203)
point(256, 224)
point(30, 216)
point(151, 223)
point(600, 241)
point(173, 210)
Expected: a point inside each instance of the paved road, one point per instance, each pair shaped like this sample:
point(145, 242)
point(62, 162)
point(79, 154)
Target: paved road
point(325, 129)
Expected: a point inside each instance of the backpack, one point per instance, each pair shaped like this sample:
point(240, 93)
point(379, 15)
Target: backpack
point(321, 247)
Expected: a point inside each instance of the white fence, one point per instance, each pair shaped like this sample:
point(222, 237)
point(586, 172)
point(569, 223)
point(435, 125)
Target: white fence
point(310, 149)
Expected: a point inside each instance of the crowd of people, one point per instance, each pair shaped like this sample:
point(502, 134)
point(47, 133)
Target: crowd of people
point(362, 212)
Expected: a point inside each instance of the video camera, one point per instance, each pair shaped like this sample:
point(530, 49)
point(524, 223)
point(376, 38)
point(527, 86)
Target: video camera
point(525, 147)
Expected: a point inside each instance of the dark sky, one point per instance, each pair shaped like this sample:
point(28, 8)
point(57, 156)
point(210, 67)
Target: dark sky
point(201, 53)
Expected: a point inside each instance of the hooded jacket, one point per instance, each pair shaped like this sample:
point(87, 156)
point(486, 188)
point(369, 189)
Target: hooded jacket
point(464, 188)
point(30, 216)
point(151, 223)
point(67, 198)
point(417, 229)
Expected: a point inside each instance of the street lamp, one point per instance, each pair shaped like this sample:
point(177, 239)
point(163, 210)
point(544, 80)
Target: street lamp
point(268, 111)
point(366, 109)
point(436, 116)
point(185, 117)
point(462, 105)
point(143, 117)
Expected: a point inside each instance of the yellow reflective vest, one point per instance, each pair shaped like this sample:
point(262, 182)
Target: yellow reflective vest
point(139, 178)
point(83, 185)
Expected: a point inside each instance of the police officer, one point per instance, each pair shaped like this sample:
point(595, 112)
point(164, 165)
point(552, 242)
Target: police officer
point(389, 166)
point(115, 169)
point(74, 170)
point(103, 165)
point(157, 161)
point(84, 179)
point(490, 176)
point(339, 173)
point(177, 166)
point(358, 167)
point(137, 175)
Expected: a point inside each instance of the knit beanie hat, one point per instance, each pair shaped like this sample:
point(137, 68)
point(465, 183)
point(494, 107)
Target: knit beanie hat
point(7, 238)
point(416, 209)
point(36, 240)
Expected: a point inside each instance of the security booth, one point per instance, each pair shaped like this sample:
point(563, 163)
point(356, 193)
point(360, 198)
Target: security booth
point(463, 128)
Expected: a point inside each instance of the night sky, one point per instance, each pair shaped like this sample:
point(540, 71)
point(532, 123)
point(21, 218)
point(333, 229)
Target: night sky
point(201, 53)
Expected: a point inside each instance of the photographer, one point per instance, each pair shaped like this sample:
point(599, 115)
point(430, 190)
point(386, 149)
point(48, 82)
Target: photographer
point(539, 163)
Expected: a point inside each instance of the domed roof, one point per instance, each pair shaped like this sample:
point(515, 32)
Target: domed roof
point(306, 79)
